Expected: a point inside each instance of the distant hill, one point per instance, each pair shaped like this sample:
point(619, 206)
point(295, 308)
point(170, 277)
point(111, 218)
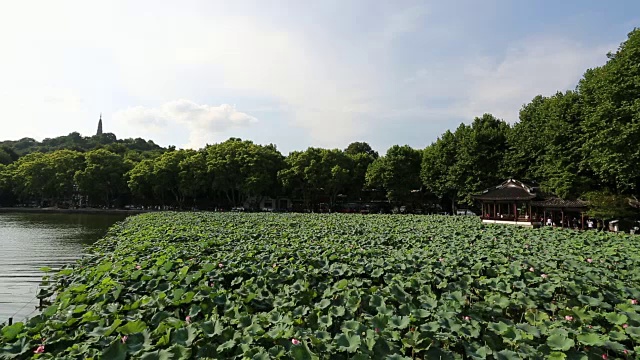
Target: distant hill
point(10, 150)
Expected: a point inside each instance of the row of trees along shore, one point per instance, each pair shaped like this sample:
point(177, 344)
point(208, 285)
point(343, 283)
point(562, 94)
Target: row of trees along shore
point(583, 143)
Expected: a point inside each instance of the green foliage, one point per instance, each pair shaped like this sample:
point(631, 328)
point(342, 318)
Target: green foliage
point(103, 177)
point(319, 172)
point(552, 157)
point(43, 176)
point(611, 124)
point(5, 158)
point(242, 169)
point(467, 161)
point(607, 206)
point(211, 285)
point(362, 155)
point(75, 141)
point(397, 172)
point(361, 148)
point(437, 160)
point(479, 158)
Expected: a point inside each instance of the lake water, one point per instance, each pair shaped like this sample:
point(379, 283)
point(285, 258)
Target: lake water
point(29, 242)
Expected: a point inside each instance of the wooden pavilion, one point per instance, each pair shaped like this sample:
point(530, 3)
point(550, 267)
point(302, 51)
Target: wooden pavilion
point(514, 202)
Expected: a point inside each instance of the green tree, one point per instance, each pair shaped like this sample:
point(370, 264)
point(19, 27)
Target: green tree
point(607, 206)
point(141, 181)
point(193, 178)
point(299, 174)
point(33, 177)
point(242, 170)
point(398, 172)
point(356, 148)
point(545, 146)
point(104, 177)
point(611, 110)
point(6, 186)
point(317, 171)
point(481, 148)
point(336, 173)
point(65, 164)
point(362, 155)
point(166, 175)
point(437, 161)
point(5, 158)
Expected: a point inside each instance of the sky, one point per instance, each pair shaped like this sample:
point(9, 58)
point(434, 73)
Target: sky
point(292, 73)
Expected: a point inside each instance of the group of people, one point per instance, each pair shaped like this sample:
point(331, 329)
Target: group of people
point(589, 224)
point(575, 223)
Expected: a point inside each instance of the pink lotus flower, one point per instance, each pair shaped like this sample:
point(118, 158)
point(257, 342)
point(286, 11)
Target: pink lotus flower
point(124, 339)
point(624, 326)
point(295, 341)
point(532, 269)
point(568, 318)
point(604, 356)
point(377, 330)
point(441, 259)
point(625, 351)
point(275, 265)
point(467, 318)
point(634, 302)
point(544, 276)
point(138, 267)
point(589, 260)
point(188, 319)
point(39, 350)
point(220, 265)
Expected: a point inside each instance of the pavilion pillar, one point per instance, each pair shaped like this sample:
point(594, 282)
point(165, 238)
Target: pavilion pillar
point(561, 218)
point(515, 211)
point(581, 220)
point(494, 210)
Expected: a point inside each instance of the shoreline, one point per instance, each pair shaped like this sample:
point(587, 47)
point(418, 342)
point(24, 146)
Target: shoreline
point(54, 210)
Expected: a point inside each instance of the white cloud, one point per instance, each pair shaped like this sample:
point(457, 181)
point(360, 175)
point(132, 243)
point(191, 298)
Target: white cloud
point(331, 83)
point(536, 66)
point(502, 83)
point(204, 122)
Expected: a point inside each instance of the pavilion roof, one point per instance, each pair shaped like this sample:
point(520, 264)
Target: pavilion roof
point(508, 190)
point(556, 202)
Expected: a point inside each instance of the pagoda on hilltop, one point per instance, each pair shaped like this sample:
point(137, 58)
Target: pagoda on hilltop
point(99, 126)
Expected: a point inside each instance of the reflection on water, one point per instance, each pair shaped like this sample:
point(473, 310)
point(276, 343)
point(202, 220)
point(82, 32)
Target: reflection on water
point(29, 242)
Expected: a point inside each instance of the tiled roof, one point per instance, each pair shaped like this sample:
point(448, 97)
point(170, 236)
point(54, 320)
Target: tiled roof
point(560, 203)
point(508, 190)
point(514, 190)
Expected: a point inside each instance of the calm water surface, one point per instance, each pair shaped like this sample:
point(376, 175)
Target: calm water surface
point(29, 242)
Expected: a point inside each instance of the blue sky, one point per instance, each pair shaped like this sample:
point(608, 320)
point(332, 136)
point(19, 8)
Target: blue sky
point(293, 73)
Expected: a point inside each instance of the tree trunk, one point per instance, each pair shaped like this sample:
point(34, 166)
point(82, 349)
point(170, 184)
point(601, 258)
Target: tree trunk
point(453, 205)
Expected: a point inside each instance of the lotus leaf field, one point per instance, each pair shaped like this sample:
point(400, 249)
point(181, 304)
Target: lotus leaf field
point(329, 286)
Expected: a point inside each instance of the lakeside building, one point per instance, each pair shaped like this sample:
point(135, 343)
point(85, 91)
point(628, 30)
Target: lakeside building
point(514, 202)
